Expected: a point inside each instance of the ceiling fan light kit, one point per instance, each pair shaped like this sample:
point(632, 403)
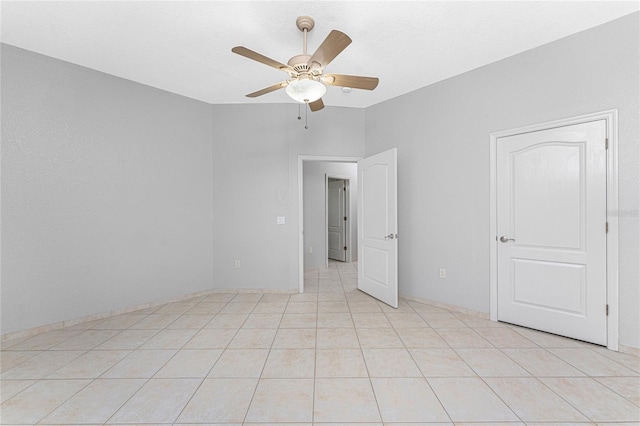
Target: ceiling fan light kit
point(307, 81)
point(305, 90)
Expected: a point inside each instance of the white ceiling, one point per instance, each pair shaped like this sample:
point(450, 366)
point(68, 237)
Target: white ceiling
point(185, 47)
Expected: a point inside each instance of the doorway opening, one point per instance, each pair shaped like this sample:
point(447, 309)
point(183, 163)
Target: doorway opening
point(313, 179)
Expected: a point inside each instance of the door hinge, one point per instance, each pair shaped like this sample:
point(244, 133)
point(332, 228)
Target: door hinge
point(607, 310)
point(606, 227)
point(345, 247)
point(606, 143)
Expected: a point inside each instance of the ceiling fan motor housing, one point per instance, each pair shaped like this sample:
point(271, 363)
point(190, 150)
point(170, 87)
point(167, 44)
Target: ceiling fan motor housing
point(299, 63)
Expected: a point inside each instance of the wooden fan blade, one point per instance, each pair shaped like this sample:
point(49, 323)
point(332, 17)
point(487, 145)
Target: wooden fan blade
point(248, 53)
point(316, 105)
point(353, 81)
point(331, 47)
point(267, 90)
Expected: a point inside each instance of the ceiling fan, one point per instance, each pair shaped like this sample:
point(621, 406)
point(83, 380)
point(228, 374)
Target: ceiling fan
point(306, 83)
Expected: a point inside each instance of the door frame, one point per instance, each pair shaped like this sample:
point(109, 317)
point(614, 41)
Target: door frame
point(611, 119)
point(301, 160)
point(347, 209)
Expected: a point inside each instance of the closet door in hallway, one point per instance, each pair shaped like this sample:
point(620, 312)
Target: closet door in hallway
point(336, 219)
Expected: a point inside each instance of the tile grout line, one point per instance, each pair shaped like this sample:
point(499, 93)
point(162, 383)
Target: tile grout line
point(365, 363)
point(315, 358)
point(149, 379)
point(63, 402)
point(156, 372)
point(255, 389)
point(184, 378)
point(421, 372)
point(613, 390)
point(478, 375)
point(564, 399)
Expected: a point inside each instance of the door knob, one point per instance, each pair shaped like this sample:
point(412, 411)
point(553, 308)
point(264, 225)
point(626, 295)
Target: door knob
point(504, 239)
point(391, 236)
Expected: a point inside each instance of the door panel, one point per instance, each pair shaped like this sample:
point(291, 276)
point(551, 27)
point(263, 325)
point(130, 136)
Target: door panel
point(551, 206)
point(552, 177)
point(378, 227)
point(377, 271)
point(376, 223)
point(549, 285)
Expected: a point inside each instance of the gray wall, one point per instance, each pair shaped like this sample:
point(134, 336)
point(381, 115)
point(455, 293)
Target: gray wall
point(115, 194)
point(255, 164)
point(106, 192)
point(442, 135)
point(315, 210)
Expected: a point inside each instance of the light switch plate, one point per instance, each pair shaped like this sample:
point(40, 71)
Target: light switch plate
point(280, 220)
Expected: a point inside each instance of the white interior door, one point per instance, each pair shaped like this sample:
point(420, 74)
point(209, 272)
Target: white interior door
point(336, 217)
point(551, 222)
point(378, 227)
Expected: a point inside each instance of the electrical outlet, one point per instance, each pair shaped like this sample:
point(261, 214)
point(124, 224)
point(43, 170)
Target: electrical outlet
point(310, 249)
point(443, 273)
point(236, 264)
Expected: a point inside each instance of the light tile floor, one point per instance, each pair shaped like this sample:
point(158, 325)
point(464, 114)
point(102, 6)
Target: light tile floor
point(331, 355)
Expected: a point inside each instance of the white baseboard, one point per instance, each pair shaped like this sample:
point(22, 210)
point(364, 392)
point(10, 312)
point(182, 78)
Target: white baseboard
point(454, 308)
point(630, 350)
point(252, 290)
point(22, 334)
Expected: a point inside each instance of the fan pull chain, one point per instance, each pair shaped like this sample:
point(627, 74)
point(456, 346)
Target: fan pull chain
point(306, 115)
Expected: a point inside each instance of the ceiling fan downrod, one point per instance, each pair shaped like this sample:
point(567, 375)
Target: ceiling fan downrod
point(305, 24)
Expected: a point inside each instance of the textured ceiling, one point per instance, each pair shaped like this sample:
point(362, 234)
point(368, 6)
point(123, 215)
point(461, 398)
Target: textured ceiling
point(185, 47)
